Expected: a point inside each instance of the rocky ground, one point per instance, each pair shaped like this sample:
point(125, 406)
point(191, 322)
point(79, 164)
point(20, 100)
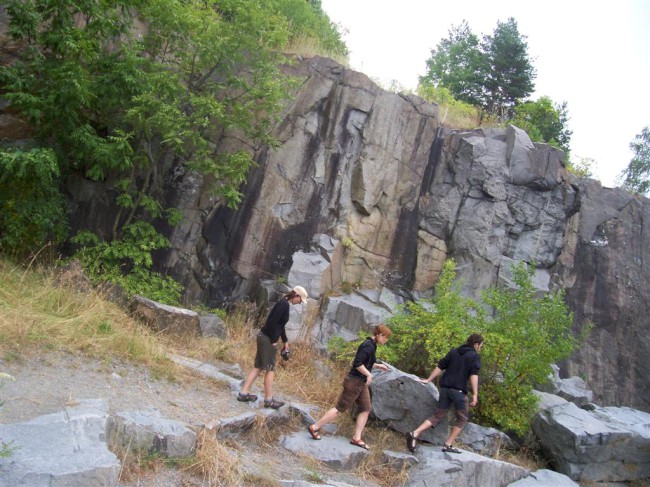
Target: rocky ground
point(46, 382)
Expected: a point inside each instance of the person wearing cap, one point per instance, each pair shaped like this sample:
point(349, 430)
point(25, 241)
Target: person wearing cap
point(267, 347)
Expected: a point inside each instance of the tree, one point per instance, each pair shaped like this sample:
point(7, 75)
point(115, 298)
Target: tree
point(511, 73)
point(636, 177)
point(494, 74)
point(458, 64)
point(544, 122)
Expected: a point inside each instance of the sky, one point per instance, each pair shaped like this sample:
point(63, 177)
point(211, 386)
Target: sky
point(595, 55)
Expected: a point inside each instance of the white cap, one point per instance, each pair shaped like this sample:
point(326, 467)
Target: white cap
point(302, 292)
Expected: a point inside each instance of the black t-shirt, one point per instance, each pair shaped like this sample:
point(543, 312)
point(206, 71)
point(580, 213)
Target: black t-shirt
point(275, 321)
point(366, 355)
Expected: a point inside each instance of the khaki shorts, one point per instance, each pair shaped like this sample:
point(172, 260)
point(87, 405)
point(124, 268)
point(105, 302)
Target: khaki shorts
point(266, 353)
point(354, 390)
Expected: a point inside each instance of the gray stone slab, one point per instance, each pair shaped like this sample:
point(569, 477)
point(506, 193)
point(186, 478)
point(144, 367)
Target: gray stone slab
point(67, 448)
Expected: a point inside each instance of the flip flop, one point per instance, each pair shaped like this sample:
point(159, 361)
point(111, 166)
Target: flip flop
point(359, 443)
point(315, 435)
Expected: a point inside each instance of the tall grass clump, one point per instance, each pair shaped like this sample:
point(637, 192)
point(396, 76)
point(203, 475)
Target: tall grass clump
point(37, 313)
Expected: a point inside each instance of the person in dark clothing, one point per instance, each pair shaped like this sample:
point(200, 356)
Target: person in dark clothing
point(460, 364)
point(355, 386)
point(267, 347)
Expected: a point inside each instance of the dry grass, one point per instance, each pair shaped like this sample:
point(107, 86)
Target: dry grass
point(35, 313)
point(214, 462)
point(303, 45)
point(38, 314)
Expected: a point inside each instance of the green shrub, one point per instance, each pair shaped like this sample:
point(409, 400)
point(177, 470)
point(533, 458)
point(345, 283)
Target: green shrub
point(422, 336)
point(128, 262)
point(32, 209)
point(524, 334)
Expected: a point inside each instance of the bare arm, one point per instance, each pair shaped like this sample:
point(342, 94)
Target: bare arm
point(473, 380)
point(436, 372)
point(366, 372)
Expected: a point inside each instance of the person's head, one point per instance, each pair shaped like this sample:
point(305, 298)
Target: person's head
point(475, 340)
point(381, 333)
point(297, 295)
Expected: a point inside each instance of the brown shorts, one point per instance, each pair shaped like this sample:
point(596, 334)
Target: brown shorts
point(447, 398)
point(266, 353)
point(354, 390)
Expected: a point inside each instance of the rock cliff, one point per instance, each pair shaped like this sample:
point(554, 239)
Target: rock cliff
point(378, 172)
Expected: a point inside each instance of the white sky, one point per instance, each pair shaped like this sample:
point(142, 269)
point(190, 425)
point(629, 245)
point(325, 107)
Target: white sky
point(595, 55)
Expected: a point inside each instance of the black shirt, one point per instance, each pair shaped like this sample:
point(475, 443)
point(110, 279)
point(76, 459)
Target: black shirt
point(366, 355)
point(459, 364)
point(278, 317)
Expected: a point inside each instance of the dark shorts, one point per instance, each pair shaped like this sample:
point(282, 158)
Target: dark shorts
point(354, 391)
point(266, 353)
point(447, 398)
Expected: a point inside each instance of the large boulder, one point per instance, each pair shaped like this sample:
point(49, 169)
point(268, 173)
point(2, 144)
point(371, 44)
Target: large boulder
point(602, 445)
point(438, 469)
point(64, 448)
point(402, 402)
point(164, 318)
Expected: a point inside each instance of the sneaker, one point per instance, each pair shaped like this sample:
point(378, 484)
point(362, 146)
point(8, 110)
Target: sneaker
point(246, 397)
point(272, 403)
point(450, 449)
point(410, 442)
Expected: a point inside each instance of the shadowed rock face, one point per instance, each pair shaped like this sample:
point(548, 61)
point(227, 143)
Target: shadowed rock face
point(605, 270)
point(377, 172)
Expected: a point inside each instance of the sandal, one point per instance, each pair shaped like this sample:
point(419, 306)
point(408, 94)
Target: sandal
point(450, 449)
point(410, 442)
point(246, 397)
point(315, 435)
point(359, 443)
point(273, 404)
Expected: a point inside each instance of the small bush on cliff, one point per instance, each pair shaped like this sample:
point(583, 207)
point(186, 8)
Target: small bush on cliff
point(128, 262)
point(32, 210)
point(524, 334)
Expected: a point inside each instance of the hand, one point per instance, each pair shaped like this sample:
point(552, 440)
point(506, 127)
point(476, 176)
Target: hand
point(424, 381)
point(383, 367)
point(474, 402)
point(368, 379)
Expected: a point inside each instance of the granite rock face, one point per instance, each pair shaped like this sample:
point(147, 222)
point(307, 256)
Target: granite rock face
point(376, 172)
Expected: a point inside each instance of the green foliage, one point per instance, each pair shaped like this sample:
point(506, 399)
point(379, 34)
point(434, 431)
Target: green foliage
point(459, 65)
point(32, 210)
point(524, 335)
point(308, 20)
point(636, 177)
point(511, 73)
point(544, 122)
point(494, 74)
point(342, 350)
point(421, 337)
point(583, 168)
point(118, 88)
point(127, 262)
point(451, 112)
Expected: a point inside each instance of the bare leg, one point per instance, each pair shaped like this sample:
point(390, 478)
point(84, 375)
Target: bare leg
point(426, 424)
point(455, 431)
point(268, 385)
point(362, 419)
point(252, 375)
point(328, 417)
